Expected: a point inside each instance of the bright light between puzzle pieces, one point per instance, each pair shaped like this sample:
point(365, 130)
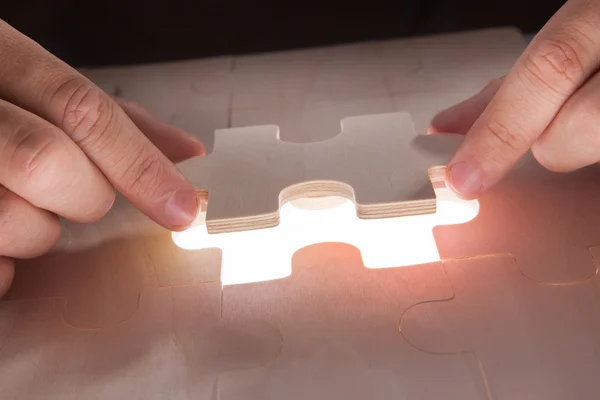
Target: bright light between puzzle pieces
point(266, 254)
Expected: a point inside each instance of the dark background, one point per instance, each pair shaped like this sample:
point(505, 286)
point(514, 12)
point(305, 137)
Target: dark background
point(106, 32)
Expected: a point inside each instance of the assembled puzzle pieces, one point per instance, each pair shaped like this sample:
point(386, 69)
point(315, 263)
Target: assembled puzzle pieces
point(176, 346)
point(534, 340)
point(547, 221)
point(378, 161)
point(40, 355)
point(339, 323)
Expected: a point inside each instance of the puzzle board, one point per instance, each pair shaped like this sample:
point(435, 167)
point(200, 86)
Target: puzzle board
point(119, 311)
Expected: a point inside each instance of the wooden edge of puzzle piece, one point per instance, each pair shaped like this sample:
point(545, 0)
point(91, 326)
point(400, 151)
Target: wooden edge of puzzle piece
point(377, 161)
point(320, 189)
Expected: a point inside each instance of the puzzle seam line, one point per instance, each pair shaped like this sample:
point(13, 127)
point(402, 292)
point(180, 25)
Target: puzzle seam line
point(265, 365)
point(97, 328)
point(65, 302)
point(233, 372)
point(177, 285)
point(453, 353)
point(522, 272)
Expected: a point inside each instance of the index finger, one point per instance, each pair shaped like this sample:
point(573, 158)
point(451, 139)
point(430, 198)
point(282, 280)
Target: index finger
point(556, 63)
point(39, 82)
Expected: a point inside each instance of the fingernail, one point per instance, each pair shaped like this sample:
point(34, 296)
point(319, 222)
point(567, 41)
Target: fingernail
point(465, 179)
point(181, 208)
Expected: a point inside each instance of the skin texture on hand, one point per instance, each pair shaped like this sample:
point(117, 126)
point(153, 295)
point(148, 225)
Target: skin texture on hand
point(548, 102)
point(66, 147)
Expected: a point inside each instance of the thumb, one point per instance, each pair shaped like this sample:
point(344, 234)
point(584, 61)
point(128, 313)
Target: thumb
point(556, 63)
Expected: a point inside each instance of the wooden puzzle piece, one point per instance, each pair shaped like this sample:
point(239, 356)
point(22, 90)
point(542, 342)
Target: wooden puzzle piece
point(534, 340)
point(176, 346)
point(376, 161)
point(40, 356)
point(340, 328)
point(306, 93)
point(546, 220)
point(400, 241)
point(103, 268)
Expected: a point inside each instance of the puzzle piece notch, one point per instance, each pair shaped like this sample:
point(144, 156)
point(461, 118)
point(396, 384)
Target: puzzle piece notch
point(534, 340)
point(377, 161)
point(339, 324)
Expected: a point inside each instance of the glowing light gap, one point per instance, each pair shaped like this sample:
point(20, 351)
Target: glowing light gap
point(265, 254)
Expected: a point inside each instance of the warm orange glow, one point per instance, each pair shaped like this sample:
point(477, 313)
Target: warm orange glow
point(266, 254)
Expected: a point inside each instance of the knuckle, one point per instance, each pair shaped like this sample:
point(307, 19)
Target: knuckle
point(34, 154)
point(557, 64)
point(88, 115)
point(143, 174)
point(509, 138)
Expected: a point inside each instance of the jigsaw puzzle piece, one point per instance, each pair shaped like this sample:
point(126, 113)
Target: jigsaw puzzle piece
point(102, 270)
point(251, 172)
point(340, 330)
point(546, 220)
point(40, 356)
point(245, 173)
point(534, 340)
point(175, 346)
point(306, 93)
point(470, 62)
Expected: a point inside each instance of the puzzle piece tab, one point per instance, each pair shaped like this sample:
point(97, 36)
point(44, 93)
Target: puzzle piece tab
point(340, 328)
point(534, 340)
point(377, 160)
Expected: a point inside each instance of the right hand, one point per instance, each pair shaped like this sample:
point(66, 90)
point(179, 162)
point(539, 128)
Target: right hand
point(547, 103)
point(66, 147)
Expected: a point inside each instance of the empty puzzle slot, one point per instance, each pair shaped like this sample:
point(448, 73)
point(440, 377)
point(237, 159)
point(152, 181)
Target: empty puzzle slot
point(266, 254)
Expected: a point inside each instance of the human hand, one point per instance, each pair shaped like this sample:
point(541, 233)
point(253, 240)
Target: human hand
point(549, 102)
point(66, 147)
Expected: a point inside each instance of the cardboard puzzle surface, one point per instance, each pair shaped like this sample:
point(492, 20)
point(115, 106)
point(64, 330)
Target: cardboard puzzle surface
point(120, 311)
point(533, 339)
point(339, 324)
